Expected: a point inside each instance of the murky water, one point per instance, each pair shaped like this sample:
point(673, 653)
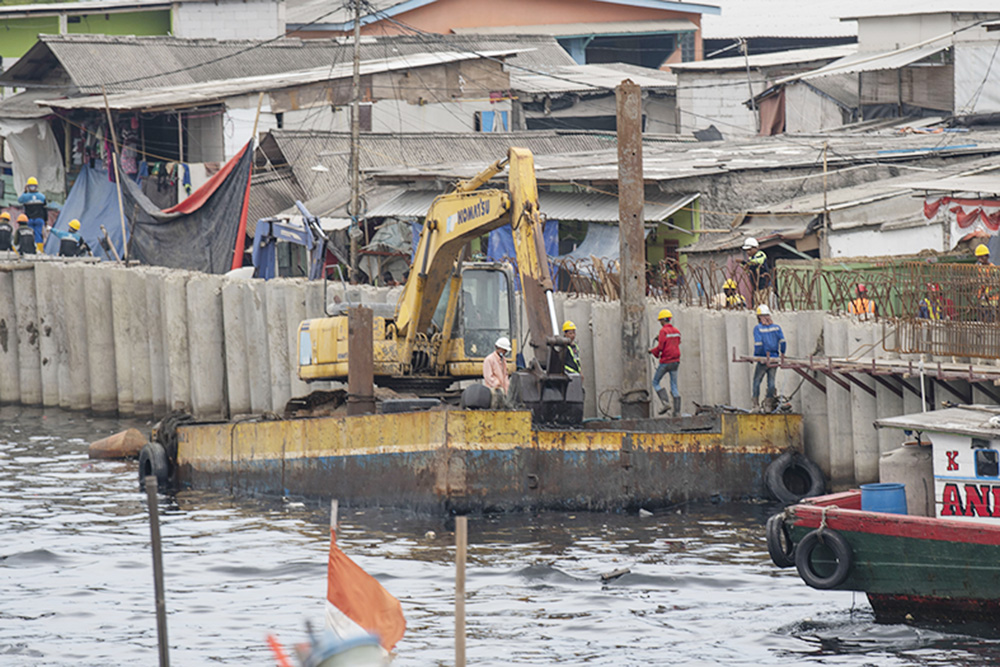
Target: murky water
point(76, 582)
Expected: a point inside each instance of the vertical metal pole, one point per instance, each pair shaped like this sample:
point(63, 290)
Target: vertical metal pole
point(118, 175)
point(461, 537)
point(360, 362)
point(631, 195)
point(161, 605)
point(824, 251)
point(355, 211)
point(753, 103)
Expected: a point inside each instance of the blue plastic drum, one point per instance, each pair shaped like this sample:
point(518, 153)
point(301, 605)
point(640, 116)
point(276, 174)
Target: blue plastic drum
point(888, 497)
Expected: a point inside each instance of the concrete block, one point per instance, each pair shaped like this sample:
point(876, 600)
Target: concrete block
point(76, 343)
point(862, 337)
point(157, 349)
point(838, 402)
point(207, 347)
point(10, 383)
point(281, 389)
point(295, 312)
point(811, 401)
point(142, 372)
point(689, 378)
point(607, 328)
point(46, 274)
point(177, 349)
point(739, 337)
point(61, 333)
point(715, 361)
point(28, 357)
point(122, 323)
point(100, 341)
point(235, 333)
point(258, 352)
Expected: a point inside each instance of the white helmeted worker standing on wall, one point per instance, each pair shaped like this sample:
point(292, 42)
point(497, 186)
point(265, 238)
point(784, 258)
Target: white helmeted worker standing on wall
point(755, 263)
point(668, 352)
point(495, 374)
point(768, 343)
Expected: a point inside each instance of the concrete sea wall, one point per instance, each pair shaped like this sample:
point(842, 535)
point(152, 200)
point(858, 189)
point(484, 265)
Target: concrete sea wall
point(143, 341)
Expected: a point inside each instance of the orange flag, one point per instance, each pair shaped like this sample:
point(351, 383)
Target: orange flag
point(362, 599)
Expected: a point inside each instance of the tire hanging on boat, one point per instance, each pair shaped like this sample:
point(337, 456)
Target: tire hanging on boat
point(779, 542)
point(153, 463)
point(841, 551)
point(792, 477)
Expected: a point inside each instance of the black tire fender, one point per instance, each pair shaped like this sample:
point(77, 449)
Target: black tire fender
point(153, 463)
point(779, 542)
point(792, 466)
point(841, 551)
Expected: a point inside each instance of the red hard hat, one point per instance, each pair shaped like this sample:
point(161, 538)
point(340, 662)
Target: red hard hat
point(862, 288)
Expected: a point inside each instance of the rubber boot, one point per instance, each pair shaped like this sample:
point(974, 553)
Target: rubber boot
point(677, 406)
point(664, 398)
point(756, 405)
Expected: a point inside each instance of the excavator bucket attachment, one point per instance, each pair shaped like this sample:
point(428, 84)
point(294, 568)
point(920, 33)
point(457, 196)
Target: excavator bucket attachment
point(552, 399)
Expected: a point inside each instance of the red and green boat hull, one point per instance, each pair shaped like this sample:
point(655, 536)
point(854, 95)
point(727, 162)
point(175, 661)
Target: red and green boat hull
point(912, 568)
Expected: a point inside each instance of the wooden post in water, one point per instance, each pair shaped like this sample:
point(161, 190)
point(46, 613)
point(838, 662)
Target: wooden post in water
point(631, 198)
point(161, 605)
point(461, 537)
point(360, 362)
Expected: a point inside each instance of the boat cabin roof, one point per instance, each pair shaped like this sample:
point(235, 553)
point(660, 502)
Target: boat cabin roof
point(979, 421)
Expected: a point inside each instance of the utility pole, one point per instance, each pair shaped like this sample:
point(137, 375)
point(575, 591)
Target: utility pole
point(355, 211)
point(824, 248)
point(631, 199)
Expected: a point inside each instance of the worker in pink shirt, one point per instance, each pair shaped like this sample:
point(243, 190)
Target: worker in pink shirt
point(495, 366)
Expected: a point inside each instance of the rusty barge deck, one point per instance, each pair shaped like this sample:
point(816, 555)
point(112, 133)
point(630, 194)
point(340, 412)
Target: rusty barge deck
point(487, 460)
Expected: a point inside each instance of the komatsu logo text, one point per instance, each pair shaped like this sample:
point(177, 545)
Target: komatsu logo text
point(479, 209)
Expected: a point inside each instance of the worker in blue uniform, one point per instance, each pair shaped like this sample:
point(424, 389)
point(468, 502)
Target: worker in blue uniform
point(34, 203)
point(71, 244)
point(768, 343)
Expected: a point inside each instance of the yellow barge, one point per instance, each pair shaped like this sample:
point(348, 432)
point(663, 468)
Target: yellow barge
point(483, 460)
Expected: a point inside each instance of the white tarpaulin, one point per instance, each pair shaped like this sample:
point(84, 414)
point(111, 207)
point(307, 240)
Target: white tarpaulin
point(977, 77)
point(34, 152)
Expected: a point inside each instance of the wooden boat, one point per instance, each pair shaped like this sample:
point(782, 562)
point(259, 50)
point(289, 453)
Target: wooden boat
point(941, 568)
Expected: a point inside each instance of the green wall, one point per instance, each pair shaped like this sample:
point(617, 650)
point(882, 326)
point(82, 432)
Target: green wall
point(19, 35)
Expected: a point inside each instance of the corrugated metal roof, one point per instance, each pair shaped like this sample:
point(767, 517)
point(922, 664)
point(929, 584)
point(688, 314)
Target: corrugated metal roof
point(210, 92)
point(870, 62)
point(23, 104)
point(324, 17)
point(791, 57)
point(90, 61)
point(586, 29)
point(271, 192)
point(582, 78)
point(81, 7)
point(577, 206)
point(980, 183)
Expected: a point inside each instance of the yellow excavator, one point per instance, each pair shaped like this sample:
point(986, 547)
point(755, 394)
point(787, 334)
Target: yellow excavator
point(451, 312)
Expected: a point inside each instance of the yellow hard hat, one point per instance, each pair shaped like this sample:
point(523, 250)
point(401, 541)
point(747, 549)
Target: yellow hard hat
point(568, 326)
point(22, 218)
point(32, 181)
point(74, 225)
point(729, 284)
point(5, 215)
point(981, 250)
point(664, 315)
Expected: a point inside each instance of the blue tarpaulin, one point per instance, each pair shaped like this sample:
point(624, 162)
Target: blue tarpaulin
point(94, 202)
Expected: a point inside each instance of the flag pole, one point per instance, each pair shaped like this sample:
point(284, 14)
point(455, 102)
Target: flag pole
point(118, 175)
point(461, 537)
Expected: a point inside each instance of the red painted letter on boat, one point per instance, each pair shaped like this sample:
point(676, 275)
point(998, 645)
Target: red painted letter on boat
point(362, 599)
point(951, 501)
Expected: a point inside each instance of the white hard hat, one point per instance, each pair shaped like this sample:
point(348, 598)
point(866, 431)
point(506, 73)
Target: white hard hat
point(503, 343)
point(763, 310)
point(750, 242)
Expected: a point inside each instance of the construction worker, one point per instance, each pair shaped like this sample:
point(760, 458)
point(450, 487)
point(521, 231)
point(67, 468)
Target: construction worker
point(24, 236)
point(768, 343)
point(71, 243)
point(668, 352)
point(734, 300)
point(988, 292)
point(495, 375)
point(755, 263)
point(935, 306)
point(862, 306)
point(34, 202)
point(6, 233)
point(572, 363)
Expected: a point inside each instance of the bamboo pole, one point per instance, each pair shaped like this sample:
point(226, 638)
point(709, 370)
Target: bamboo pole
point(461, 537)
point(161, 605)
point(118, 175)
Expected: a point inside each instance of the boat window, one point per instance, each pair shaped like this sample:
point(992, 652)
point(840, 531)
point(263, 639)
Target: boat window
point(987, 463)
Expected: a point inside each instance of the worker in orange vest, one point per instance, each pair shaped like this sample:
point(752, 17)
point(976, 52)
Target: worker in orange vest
point(862, 306)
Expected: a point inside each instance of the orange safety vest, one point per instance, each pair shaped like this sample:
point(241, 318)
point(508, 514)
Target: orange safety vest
point(861, 306)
